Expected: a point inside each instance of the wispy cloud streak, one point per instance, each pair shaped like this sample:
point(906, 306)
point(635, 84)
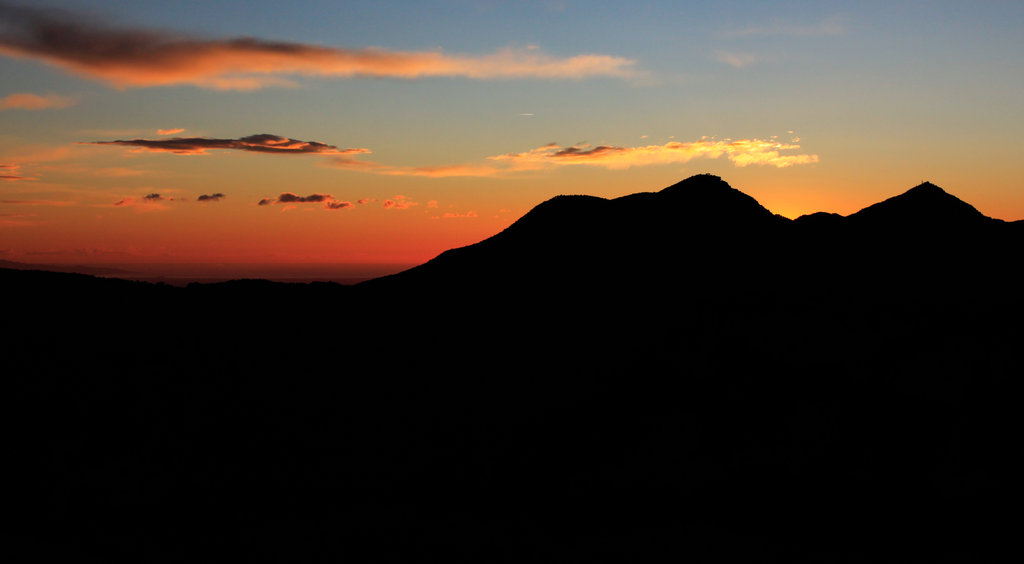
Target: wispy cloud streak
point(126, 57)
point(435, 171)
point(29, 101)
point(833, 25)
point(261, 143)
point(10, 172)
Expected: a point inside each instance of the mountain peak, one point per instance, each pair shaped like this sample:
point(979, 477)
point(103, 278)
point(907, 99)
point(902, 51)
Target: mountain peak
point(710, 196)
point(926, 188)
point(925, 203)
point(699, 182)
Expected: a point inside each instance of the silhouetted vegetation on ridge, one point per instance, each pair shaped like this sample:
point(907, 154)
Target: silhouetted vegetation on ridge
point(679, 374)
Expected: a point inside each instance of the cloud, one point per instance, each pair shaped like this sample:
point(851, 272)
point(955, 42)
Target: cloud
point(328, 201)
point(833, 25)
point(210, 197)
point(742, 152)
point(149, 201)
point(437, 171)
point(169, 131)
point(56, 203)
point(116, 172)
point(10, 172)
point(452, 215)
point(27, 101)
point(126, 57)
point(289, 198)
point(15, 220)
point(734, 59)
point(260, 143)
point(399, 203)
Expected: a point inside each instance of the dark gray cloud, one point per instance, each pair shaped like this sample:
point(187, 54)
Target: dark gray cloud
point(259, 143)
point(289, 198)
point(328, 201)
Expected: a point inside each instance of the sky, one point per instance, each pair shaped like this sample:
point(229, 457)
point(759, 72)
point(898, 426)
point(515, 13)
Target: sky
point(318, 131)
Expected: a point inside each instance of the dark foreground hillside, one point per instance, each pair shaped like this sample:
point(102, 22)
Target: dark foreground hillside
point(678, 375)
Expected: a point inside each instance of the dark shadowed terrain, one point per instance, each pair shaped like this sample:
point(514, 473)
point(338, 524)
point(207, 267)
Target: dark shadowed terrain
point(669, 376)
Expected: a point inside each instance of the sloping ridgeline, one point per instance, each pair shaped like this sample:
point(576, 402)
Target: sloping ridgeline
point(678, 374)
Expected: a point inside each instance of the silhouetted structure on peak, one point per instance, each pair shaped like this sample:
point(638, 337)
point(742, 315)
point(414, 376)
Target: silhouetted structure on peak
point(925, 205)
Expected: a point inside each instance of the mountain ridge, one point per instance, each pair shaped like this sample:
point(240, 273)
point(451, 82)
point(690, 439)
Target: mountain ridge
point(707, 222)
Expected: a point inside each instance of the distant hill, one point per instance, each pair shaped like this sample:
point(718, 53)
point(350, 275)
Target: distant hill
point(677, 375)
point(74, 269)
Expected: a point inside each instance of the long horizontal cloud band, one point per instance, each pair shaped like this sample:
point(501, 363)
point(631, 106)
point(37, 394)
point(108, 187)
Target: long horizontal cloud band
point(130, 57)
point(742, 152)
point(260, 143)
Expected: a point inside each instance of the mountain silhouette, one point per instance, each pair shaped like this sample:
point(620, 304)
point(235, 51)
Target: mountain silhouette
point(673, 375)
point(703, 233)
point(701, 223)
point(925, 205)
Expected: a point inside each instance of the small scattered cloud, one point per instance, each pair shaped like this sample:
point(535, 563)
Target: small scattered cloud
point(28, 101)
point(338, 205)
point(210, 197)
point(169, 131)
point(736, 59)
point(260, 143)
point(133, 57)
point(399, 203)
point(453, 215)
point(149, 202)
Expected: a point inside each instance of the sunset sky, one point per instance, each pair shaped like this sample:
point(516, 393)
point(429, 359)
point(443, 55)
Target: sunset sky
point(387, 132)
